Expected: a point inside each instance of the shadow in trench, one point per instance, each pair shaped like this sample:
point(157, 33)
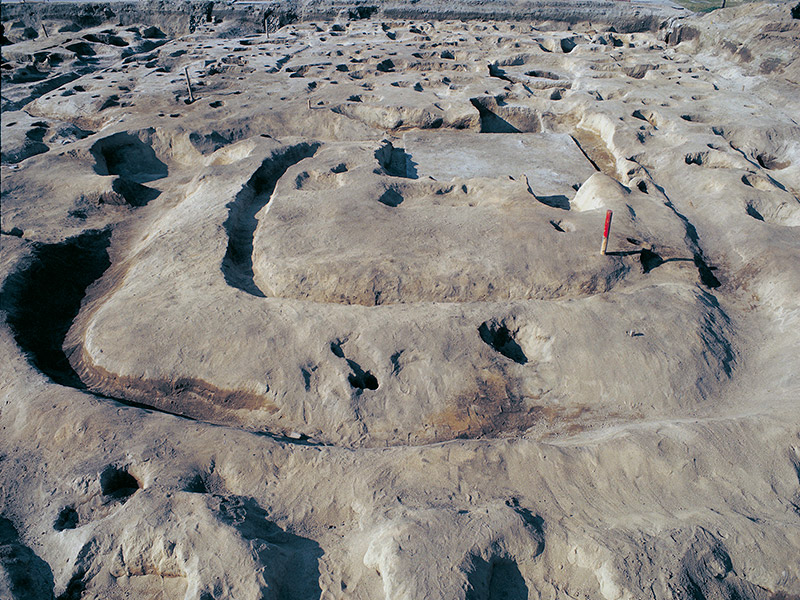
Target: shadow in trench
point(43, 299)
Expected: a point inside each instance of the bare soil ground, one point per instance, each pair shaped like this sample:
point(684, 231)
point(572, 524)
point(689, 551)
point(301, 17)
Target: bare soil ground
point(308, 301)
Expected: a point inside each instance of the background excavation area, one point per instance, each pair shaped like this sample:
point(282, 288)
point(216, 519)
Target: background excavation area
point(340, 329)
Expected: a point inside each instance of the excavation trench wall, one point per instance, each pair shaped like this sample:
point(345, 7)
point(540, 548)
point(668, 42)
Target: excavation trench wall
point(178, 18)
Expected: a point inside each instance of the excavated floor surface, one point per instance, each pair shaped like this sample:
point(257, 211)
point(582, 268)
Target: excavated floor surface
point(337, 324)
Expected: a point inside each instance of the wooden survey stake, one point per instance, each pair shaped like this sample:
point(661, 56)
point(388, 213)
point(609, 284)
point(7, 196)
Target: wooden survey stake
point(606, 231)
point(188, 84)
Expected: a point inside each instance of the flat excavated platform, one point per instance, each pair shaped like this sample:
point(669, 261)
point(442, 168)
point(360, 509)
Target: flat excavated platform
point(552, 162)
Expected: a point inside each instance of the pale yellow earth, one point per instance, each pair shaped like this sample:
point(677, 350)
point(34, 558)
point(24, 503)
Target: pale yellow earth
point(338, 326)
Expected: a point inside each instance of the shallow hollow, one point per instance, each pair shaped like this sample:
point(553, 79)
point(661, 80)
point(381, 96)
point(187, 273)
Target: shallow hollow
point(117, 483)
point(127, 155)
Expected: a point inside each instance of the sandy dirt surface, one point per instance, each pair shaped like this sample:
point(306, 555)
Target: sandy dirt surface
point(307, 301)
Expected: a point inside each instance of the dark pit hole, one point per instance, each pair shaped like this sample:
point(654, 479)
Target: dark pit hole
point(340, 168)
point(556, 201)
point(642, 186)
point(567, 45)
point(134, 194)
point(208, 143)
point(153, 32)
point(689, 118)
point(44, 298)
point(705, 271)
point(81, 49)
point(336, 349)
point(693, 159)
point(395, 358)
point(216, 103)
point(118, 483)
point(491, 122)
point(766, 161)
point(36, 134)
point(395, 161)
point(196, 485)
point(385, 66)
point(127, 155)
point(751, 210)
point(650, 260)
point(391, 198)
point(67, 519)
point(301, 179)
point(543, 75)
point(307, 377)
point(496, 71)
point(496, 578)
point(366, 381)
point(361, 379)
point(75, 586)
point(501, 339)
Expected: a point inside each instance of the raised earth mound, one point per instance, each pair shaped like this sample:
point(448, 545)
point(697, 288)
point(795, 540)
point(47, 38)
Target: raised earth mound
point(307, 301)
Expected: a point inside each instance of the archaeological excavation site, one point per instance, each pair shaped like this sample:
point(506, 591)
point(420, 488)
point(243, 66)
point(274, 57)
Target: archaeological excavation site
point(405, 300)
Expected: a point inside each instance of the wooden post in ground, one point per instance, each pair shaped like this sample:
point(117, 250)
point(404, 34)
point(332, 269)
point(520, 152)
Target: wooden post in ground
point(188, 84)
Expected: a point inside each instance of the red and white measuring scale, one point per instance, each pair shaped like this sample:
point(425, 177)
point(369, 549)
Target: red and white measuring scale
point(606, 231)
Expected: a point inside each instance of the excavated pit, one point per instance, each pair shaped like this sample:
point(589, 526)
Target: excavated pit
point(380, 233)
point(43, 299)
